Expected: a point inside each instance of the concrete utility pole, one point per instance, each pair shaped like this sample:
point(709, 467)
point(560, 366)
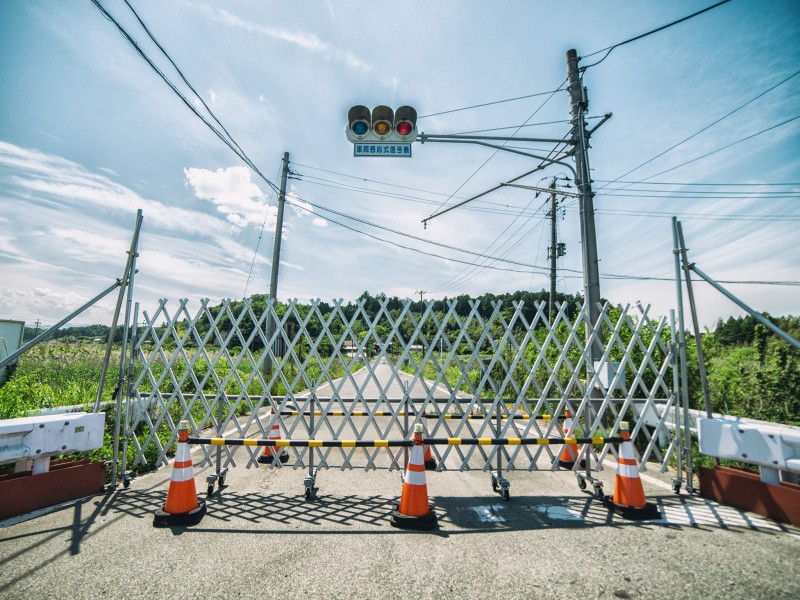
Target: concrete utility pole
point(591, 274)
point(276, 254)
point(276, 251)
point(553, 250)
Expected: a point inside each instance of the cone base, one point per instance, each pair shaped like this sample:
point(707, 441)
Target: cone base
point(646, 513)
point(267, 459)
point(566, 464)
point(430, 465)
point(423, 523)
point(193, 517)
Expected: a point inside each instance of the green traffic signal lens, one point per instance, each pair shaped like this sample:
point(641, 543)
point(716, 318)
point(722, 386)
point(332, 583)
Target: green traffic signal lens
point(360, 128)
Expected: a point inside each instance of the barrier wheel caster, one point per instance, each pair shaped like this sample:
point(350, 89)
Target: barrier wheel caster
point(221, 481)
point(494, 485)
point(126, 482)
point(506, 494)
point(598, 491)
point(676, 487)
point(308, 494)
point(581, 482)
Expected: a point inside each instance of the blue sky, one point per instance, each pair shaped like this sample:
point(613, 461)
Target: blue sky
point(89, 134)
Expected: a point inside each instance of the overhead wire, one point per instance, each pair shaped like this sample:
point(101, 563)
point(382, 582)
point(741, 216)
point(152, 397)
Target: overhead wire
point(688, 183)
point(417, 250)
point(648, 33)
point(226, 139)
point(725, 147)
point(406, 234)
point(181, 75)
point(699, 131)
point(447, 112)
point(541, 106)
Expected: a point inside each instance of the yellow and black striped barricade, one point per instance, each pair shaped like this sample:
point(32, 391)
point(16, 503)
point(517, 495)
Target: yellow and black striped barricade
point(401, 443)
point(448, 441)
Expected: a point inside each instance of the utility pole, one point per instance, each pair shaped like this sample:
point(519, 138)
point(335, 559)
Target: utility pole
point(420, 294)
point(276, 254)
point(553, 250)
point(276, 251)
point(579, 104)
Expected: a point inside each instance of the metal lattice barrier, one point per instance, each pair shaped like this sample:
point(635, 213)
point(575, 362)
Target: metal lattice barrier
point(333, 371)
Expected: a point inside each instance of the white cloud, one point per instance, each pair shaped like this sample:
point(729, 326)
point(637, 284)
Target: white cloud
point(86, 245)
point(68, 183)
point(301, 39)
point(233, 192)
point(44, 302)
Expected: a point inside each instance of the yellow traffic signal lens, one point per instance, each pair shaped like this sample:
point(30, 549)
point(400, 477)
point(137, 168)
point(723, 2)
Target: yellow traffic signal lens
point(382, 128)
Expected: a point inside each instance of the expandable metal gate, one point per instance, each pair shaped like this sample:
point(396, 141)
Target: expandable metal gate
point(325, 376)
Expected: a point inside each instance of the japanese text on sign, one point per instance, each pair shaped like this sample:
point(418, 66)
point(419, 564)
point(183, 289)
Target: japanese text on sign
point(373, 149)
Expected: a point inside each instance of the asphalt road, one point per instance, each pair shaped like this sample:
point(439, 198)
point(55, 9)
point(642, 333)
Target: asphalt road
point(261, 538)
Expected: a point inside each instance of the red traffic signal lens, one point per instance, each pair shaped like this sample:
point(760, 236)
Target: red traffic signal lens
point(404, 128)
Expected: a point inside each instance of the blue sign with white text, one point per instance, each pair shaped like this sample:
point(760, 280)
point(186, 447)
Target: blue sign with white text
point(382, 149)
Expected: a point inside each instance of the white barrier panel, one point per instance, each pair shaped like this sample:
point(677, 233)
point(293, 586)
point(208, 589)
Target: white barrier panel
point(773, 447)
point(40, 437)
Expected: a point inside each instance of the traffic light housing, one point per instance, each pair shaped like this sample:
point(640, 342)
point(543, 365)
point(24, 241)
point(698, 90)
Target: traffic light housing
point(382, 124)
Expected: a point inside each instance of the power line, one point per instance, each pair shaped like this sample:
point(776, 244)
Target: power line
point(698, 132)
point(687, 183)
point(707, 154)
point(562, 121)
point(231, 143)
point(698, 216)
point(541, 106)
point(410, 236)
point(182, 76)
point(417, 250)
point(651, 32)
point(446, 112)
point(491, 156)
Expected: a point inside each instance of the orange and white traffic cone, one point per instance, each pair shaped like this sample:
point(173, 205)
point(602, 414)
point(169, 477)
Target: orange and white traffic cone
point(182, 506)
point(569, 452)
point(413, 512)
point(272, 452)
point(628, 500)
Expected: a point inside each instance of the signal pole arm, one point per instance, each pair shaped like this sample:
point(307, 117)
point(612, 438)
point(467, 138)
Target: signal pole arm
point(461, 139)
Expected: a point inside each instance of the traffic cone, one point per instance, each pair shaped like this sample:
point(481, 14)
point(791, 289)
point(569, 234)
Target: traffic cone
point(182, 506)
point(628, 500)
point(413, 512)
point(569, 452)
point(272, 452)
point(430, 462)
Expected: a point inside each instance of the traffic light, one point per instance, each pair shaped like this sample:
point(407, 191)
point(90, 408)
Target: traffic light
point(382, 124)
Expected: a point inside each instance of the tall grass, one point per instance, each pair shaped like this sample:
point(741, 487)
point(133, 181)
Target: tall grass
point(57, 374)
